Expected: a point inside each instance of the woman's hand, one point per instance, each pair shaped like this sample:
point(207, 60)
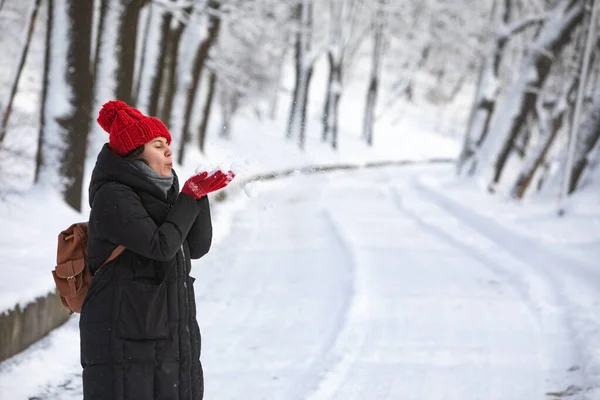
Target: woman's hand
point(204, 183)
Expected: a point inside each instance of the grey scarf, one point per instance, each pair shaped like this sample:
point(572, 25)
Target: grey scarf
point(163, 182)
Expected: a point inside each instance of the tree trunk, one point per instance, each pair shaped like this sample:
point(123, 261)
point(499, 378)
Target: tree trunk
point(591, 135)
point(39, 157)
point(550, 125)
point(488, 89)
point(403, 87)
point(593, 84)
point(297, 81)
point(335, 105)
point(541, 63)
point(327, 106)
point(214, 25)
point(458, 85)
point(77, 125)
point(334, 56)
point(225, 115)
point(159, 66)
point(127, 31)
point(275, 95)
point(331, 112)
point(521, 95)
point(229, 105)
point(69, 98)
point(19, 69)
point(304, 90)
point(170, 79)
point(587, 141)
point(107, 43)
point(98, 44)
point(369, 118)
point(370, 110)
point(143, 52)
point(206, 112)
point(304, 68)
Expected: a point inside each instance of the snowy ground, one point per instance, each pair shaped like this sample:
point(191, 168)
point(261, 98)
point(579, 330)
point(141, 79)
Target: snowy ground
point(387, 283)
point(376, 284)
point(31, 220)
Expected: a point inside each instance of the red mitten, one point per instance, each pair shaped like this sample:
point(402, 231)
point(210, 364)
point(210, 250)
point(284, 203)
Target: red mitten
point(202, 184)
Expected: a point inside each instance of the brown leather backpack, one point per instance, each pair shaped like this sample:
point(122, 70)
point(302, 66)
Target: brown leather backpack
point(71, 274)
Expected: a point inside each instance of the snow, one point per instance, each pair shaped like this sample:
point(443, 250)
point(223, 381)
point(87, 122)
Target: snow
point(248, 156)
point(30, 227)
point(356, 283)
point(374, 283)
point(363, 283)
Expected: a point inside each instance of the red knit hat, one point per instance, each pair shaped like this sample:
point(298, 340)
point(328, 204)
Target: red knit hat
point(128, 128)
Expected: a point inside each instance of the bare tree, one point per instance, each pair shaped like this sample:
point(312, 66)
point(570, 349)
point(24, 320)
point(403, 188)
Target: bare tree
point(488, 86)
point(521, 95)
point(104, 68)
point(550, 117)
point(143, 54)
point(19, 68)
point(99, 36)
point(244, 61)
point(275, 90)
point(376, 60)
point(591, 129)
point(159, 64)
point(214, 26)
point(230, 102)
point(39, 161)
point(304, 68)
point(587, 142)
point(206, 111)
point(342, 45)
point(174, 19)
point(170, 81)
point(126, 49)
point(67, 106)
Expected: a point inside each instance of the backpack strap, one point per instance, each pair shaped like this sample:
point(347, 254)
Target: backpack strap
point(116, 253)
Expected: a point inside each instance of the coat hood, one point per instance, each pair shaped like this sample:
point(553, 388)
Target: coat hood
point(112, 168)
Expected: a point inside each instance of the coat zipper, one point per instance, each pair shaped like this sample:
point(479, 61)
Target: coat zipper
point(187, 300)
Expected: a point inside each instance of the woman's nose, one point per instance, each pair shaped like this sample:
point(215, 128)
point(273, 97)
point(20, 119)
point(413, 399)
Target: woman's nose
point(168, 152)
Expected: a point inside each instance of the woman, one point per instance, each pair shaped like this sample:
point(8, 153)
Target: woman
point(139, 334)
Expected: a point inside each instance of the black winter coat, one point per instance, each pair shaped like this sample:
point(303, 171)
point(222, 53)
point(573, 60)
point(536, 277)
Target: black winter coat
point(139, 335)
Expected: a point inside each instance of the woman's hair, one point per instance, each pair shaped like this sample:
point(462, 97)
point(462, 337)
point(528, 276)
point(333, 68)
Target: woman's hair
point(135, 154)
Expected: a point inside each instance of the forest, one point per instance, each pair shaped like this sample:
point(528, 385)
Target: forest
point(528, 68)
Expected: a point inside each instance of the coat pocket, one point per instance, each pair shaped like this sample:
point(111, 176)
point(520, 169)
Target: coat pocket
point(143, 312)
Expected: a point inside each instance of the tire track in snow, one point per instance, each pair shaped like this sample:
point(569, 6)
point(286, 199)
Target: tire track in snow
point(343, 349)
point(512, 278)
point(543, 300)
point(532, 255)
point(328, 277)
point(522, 247)
point(322, 359)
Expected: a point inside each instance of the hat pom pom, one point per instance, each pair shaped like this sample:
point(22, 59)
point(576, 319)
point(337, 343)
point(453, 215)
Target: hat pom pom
point(109, 111)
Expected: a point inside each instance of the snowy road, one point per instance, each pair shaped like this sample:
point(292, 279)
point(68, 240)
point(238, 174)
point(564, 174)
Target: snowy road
point(361, 285)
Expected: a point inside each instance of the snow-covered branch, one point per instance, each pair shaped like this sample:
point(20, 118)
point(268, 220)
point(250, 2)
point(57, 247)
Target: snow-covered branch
point(507, 30)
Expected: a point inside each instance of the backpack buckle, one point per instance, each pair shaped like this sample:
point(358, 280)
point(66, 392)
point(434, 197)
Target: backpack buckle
point(72, 282)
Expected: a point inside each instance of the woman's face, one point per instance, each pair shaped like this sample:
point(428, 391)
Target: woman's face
point(157, 155)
